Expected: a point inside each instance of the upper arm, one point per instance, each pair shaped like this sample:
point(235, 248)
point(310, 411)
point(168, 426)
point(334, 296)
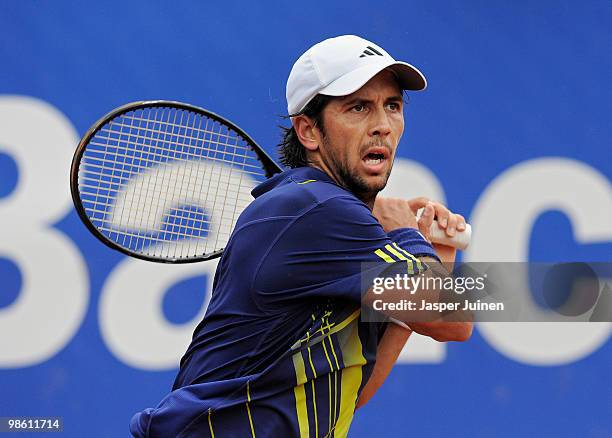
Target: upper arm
point(322, 254)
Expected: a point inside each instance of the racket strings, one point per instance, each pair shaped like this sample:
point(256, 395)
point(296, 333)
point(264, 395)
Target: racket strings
point(108, 187)
point(165, 156)
point(171, 125)
point(167, 182)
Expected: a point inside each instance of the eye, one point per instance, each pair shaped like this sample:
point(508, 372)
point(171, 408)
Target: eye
point(394, 106)
point(359, 108)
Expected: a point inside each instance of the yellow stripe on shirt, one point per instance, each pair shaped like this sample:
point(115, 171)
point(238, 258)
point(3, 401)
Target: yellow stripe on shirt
point(331, 368)
point(249, 410)
point(333, 350)
point(383, 255)
point(300, 394)
point(418, 262)
point(314, 373)
point(395, 252)
point(212, 432)
point(354, 360)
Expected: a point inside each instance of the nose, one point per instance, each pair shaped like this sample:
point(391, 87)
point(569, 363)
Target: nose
point(380, 124)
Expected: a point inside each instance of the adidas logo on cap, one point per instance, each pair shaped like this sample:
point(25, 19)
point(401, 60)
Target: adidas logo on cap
point(370, 51)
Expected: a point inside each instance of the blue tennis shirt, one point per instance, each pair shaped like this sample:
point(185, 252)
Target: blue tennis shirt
point(281, 350)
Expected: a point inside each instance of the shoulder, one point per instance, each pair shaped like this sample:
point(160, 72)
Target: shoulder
point(308, 188)
point(295, 194)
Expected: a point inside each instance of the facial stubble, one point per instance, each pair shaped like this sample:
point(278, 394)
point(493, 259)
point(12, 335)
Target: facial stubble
point(349, 178)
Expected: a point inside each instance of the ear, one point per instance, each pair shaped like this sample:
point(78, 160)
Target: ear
point(306, 131)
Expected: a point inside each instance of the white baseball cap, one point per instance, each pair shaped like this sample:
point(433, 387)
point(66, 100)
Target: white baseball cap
point(340, 66)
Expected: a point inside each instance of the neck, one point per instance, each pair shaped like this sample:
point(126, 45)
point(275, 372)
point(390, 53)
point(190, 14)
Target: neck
point(367, 198)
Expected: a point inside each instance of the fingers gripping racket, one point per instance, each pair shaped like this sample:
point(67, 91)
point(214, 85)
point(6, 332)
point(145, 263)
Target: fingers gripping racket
point(142, 175)
point(460, 240)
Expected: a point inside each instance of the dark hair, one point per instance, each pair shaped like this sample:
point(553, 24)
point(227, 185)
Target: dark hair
point(291, 151)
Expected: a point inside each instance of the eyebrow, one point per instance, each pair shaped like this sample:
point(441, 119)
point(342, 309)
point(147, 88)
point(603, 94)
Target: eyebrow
point(354, 100)
point(395, 98)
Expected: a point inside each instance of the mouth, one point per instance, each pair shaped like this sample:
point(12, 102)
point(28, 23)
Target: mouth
point(375, 159)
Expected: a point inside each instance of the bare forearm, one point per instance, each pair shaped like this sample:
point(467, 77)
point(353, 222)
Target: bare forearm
point(444, 331)
point(388, 350)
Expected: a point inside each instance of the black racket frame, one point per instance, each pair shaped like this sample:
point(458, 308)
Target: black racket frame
point(269, 166)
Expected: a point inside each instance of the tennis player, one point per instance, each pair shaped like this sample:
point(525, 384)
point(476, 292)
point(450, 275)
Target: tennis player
point(282, 351)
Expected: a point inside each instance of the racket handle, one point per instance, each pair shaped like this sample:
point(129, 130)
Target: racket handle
point(460, 240)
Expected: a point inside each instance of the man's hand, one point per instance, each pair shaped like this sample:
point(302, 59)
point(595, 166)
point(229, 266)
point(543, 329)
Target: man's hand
point(394, 213)
point(448, 221)
point(398, 213)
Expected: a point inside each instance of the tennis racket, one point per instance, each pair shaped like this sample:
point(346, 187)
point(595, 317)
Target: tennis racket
point(166, 181)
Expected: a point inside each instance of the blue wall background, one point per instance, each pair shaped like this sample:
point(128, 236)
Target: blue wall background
point(508, 83)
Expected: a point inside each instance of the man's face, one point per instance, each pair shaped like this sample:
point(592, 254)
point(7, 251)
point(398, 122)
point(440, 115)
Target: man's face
point(362, 131)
